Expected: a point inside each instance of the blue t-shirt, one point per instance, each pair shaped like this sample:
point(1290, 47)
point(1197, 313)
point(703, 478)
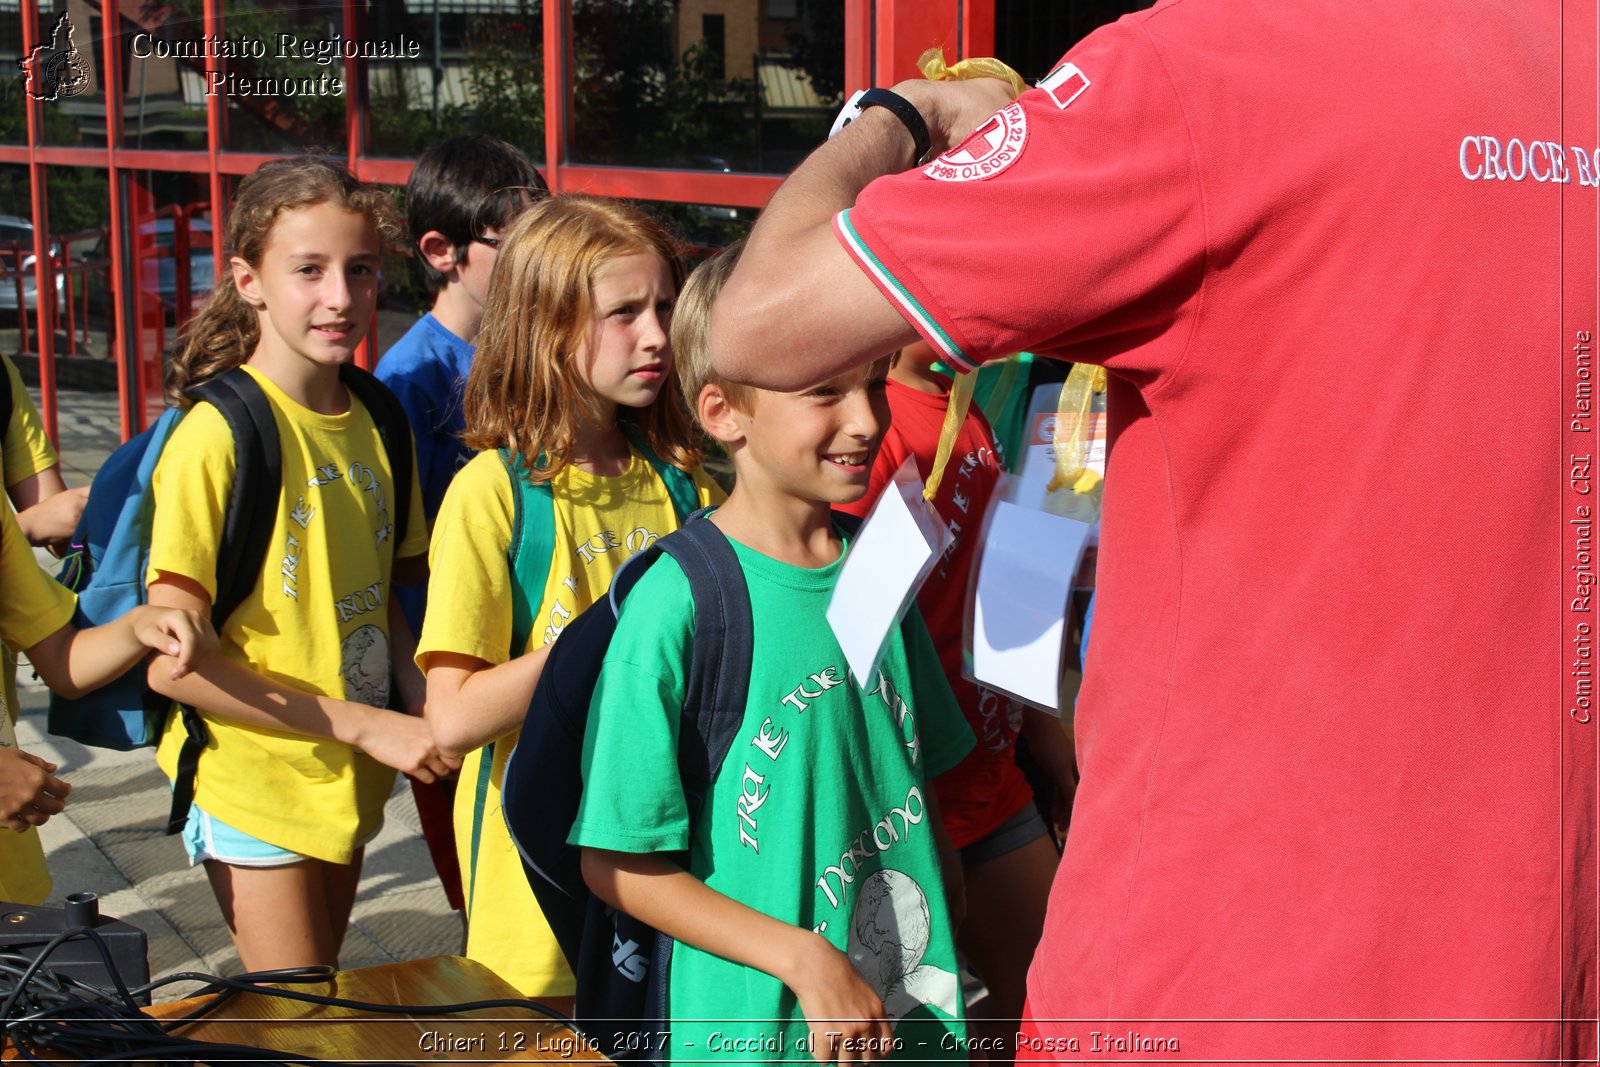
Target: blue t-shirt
point(427, 370)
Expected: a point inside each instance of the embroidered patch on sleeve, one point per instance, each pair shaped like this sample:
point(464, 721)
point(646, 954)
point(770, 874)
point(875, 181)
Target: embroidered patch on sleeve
point(1064, 84)
point(989, 150)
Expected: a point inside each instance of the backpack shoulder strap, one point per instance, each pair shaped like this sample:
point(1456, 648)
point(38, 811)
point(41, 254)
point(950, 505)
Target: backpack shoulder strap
point(680, 484)
point(257, 484)
point(719, 665)
point(246, 536)
point(394, 429)
point(533, 539)
point(715, 695)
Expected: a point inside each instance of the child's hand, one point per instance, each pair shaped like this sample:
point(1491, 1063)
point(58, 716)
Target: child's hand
point(845, 1016)
point(51, 522)
point(404, 742)
point(29, 790)
point(177, 632)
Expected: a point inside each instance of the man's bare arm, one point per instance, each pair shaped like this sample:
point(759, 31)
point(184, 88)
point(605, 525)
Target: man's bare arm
point(797, 309)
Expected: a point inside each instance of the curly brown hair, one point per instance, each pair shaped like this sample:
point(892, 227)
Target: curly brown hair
point(525, 391)
point(224, 332)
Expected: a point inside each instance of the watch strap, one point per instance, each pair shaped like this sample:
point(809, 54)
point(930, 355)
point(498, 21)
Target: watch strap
point(906, 112)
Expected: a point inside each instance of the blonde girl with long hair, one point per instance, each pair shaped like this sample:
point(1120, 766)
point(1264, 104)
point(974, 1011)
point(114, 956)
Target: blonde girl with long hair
point(301, 754)
point(572, 389)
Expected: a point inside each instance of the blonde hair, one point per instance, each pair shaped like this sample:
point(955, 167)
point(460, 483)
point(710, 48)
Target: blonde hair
point(223, 333)
point(691, 330)
point(525, 391)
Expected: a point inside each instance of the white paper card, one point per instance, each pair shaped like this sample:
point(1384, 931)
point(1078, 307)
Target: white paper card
point(891, 556)
point(1019, 615)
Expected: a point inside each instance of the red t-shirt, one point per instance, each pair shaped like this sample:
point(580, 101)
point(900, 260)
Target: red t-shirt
point(1336, 739)
point(983, 791)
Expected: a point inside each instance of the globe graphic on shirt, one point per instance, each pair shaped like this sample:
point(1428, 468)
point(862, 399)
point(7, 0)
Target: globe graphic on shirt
point(889, 929)
point(364, 662)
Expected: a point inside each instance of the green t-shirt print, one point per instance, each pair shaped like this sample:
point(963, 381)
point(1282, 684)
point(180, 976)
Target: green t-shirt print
point(819, 816)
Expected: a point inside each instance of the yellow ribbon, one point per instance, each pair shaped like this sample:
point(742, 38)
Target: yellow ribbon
point(1071, 442)
point(933, 68)
point(955, 413)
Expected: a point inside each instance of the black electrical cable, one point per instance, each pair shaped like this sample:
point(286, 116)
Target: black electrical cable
point(46, 1012)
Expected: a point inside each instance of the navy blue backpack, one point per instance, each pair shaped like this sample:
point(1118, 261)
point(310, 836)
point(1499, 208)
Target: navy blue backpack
point(620, 963)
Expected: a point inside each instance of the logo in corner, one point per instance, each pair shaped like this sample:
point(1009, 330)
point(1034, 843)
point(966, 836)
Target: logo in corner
point(56, 69)
point(1064, 84)
point(991, 149)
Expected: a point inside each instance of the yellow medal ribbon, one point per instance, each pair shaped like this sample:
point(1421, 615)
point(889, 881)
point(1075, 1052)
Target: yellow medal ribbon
point(1071, 444)
point(933, 68)
point(955, 413)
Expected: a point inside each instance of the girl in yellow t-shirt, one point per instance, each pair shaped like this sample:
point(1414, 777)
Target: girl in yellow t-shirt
point(299, 760)
point(573, 360)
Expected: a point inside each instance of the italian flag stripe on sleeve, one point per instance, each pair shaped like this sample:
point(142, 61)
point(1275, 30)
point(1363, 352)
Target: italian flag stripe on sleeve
point(914, 312)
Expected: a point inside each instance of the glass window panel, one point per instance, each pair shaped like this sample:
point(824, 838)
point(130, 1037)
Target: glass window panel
point(64, 71)
point(467, 66)
point(13, 118)
point(17, 283)
point(718, 85)
point(163, 77)
point(702, 229)
point(78, 200)
point(286, 93)
point(1032, 35)
point(77, 117)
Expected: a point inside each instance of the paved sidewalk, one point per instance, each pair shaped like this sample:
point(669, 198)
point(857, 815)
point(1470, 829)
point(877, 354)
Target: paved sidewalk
point(109, 840)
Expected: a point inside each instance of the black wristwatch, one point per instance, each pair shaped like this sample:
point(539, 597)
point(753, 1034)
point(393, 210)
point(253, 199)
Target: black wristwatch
point(897, 105)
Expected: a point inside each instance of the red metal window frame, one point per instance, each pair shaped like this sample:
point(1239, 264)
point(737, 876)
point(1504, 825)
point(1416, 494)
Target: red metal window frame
point(44, 288)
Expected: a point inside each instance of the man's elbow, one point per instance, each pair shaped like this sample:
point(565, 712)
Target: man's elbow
point(732, 341)
point(751, 349)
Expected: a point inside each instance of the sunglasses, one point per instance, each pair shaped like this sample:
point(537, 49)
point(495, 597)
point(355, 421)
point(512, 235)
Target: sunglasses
point(502, 206)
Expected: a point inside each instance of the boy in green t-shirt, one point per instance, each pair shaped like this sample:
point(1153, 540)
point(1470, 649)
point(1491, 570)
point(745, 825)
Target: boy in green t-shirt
point(813, 919)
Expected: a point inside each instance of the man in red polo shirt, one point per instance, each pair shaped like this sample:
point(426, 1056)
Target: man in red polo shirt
point(1336, 736)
